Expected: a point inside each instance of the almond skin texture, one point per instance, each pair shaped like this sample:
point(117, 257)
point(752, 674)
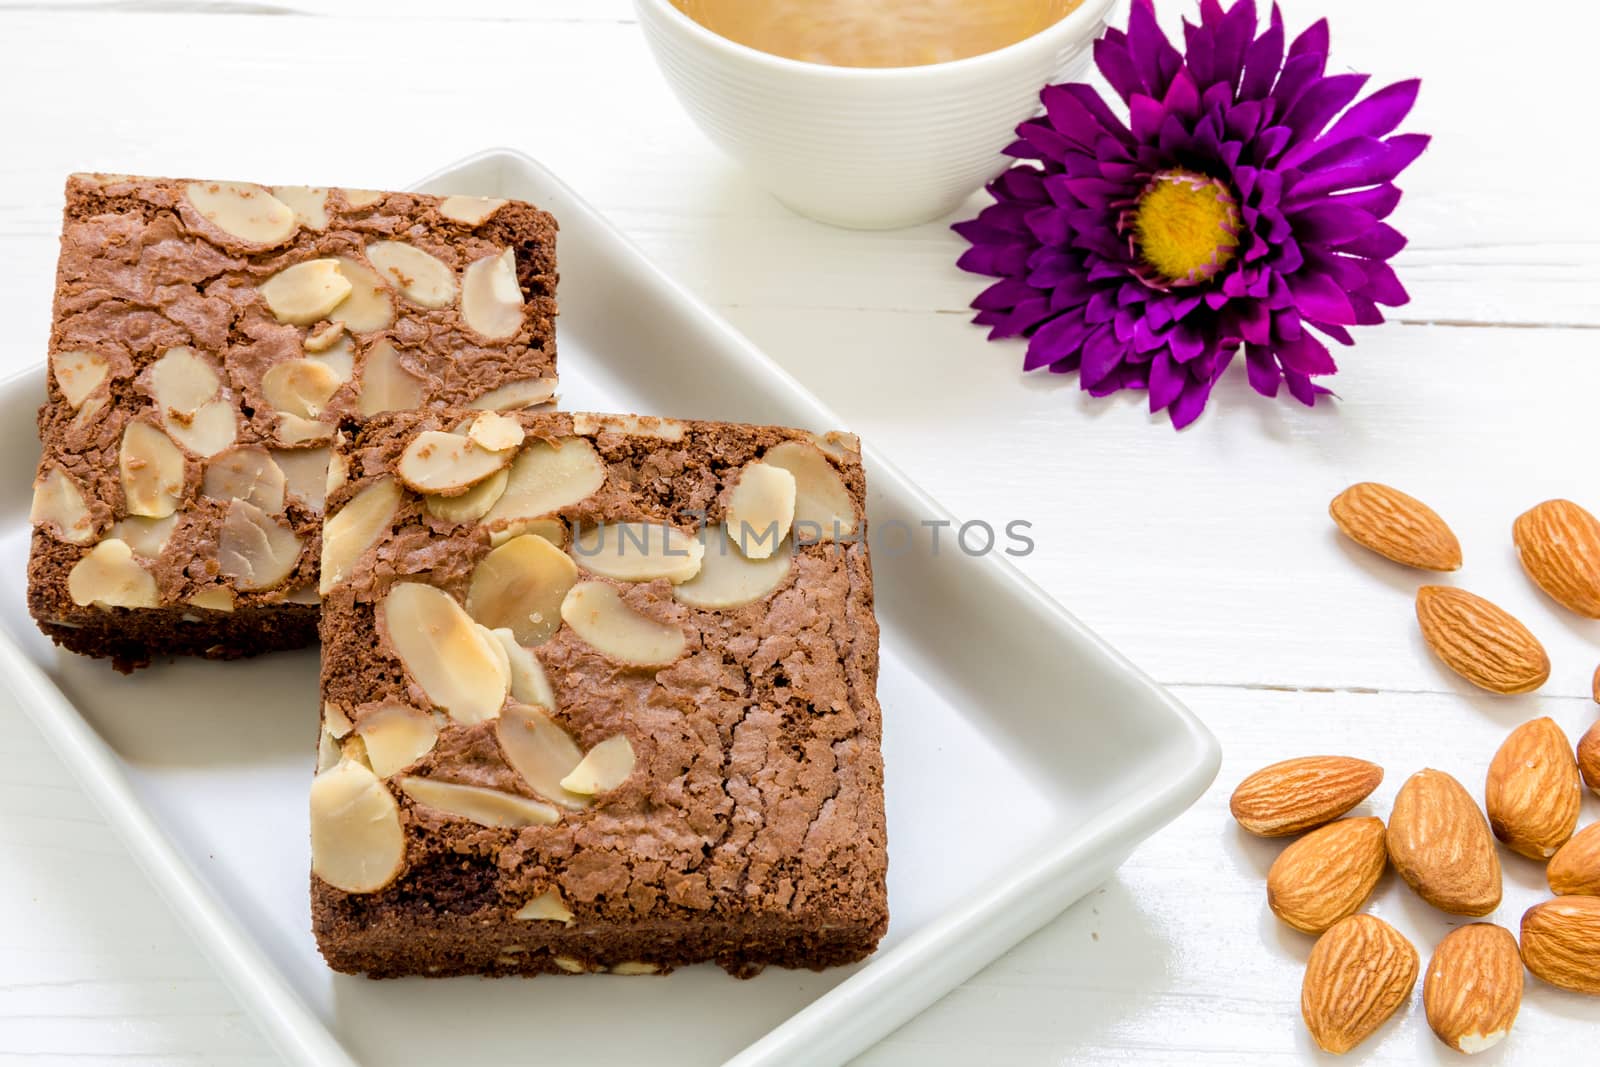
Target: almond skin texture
point(1561, 943)
point(1559, 543)
point(1396, 526)
point(1589, 757)
point(1327, 874)
point(1480, 642)
point(1575, 868)
point(1533, 793)
point(1440, 843)
point(1359, 972)
point(1474, 987)
point(1301, 794)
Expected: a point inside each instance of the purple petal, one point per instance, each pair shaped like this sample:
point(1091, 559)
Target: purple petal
point(1054, 341)
point(1119, 379)
point(1330, 223)
point(1153, 55)
point(1385, 286)
point(1263, 60)
point(1312, 42)
point(1003, 294)
point(1318, 105)
point(1253, 324)
point(1022, 318)
point(1095, 105)
point(1051, 226)
point(1306, 355)
point(1378, 201)
point(1187, 342)
point(1380, 242)
point(1101, 355)
point(1299, 74)
point(1262, 370)
point(1338, 333)
point(1054, 270)
point(1116, 64)
point(1190, 403)
point(994, 260)
point(1302, 388)
point(1167, 379)
point(1145, 115)
point(1318, 298)
point(1379, 113)
point(1182, 96)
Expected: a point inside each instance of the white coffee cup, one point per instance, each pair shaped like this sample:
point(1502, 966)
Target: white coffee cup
point(865, 147)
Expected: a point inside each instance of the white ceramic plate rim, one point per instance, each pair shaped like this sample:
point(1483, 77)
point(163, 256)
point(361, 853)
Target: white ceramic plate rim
point(898, 982)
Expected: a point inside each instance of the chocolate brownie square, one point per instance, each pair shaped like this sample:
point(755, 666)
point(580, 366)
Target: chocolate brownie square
point(599, 693)
point(208, 337)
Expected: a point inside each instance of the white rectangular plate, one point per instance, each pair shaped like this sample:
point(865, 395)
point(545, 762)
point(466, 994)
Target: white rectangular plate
point(1024, 757)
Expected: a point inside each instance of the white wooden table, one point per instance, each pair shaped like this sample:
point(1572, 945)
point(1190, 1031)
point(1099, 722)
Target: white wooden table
point(1207, 557)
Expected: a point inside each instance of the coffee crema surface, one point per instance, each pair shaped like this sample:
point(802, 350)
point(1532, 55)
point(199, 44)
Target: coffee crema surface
point(876, 33)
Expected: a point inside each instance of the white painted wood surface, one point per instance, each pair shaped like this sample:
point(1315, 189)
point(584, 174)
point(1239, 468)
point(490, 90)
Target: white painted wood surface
point(1206, 556)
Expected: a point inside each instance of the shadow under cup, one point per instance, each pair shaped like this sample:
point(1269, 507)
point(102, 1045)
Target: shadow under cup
point(865, 147)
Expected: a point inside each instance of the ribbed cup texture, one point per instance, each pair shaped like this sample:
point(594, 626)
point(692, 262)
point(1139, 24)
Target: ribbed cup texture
point(852, 147)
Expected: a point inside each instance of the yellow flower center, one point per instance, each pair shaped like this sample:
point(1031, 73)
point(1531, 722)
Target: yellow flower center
point(1186, 226)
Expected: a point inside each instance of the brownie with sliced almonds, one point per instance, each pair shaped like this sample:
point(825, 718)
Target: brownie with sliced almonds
point(207, 338)
point(598, 694)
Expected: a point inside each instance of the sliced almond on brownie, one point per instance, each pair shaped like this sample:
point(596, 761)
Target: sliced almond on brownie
point(821, 499)
point(239, 209)
point(152, 471)
point(110, 577)
point(357, 844)
point(547, 476)
point(306, 292)
point(419, 276)
point(356, 527)
point(638, 552)
point(256, 550)
point(540, 751)
point(369, 306)
point(248, 474)
point(547, 906)
point(456, 665)
point(59, 508)
point(729, 579)
point(447, 463)
point(491, 299)
point(396, 736)
point(606, 766)
point(761, 509)
point(597, 614)
point(519, 586)
point(487, 807)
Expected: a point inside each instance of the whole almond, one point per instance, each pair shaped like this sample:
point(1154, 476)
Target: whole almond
point(1440, 843)
point(1559, 543)
point(1396, 526)
point(1359, 972)
point(1561, 943)
point(1589, 757)
point(1301, 794)
point(1575, 868)
point(1479, 641)
point(1473, 988)
point(1533, 793)
point(1327, 874)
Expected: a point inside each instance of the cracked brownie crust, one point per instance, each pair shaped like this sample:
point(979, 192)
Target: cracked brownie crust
point(207, 337)
point(707, 780)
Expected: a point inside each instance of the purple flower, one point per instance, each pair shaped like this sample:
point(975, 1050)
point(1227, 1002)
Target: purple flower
point(1239, 205)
